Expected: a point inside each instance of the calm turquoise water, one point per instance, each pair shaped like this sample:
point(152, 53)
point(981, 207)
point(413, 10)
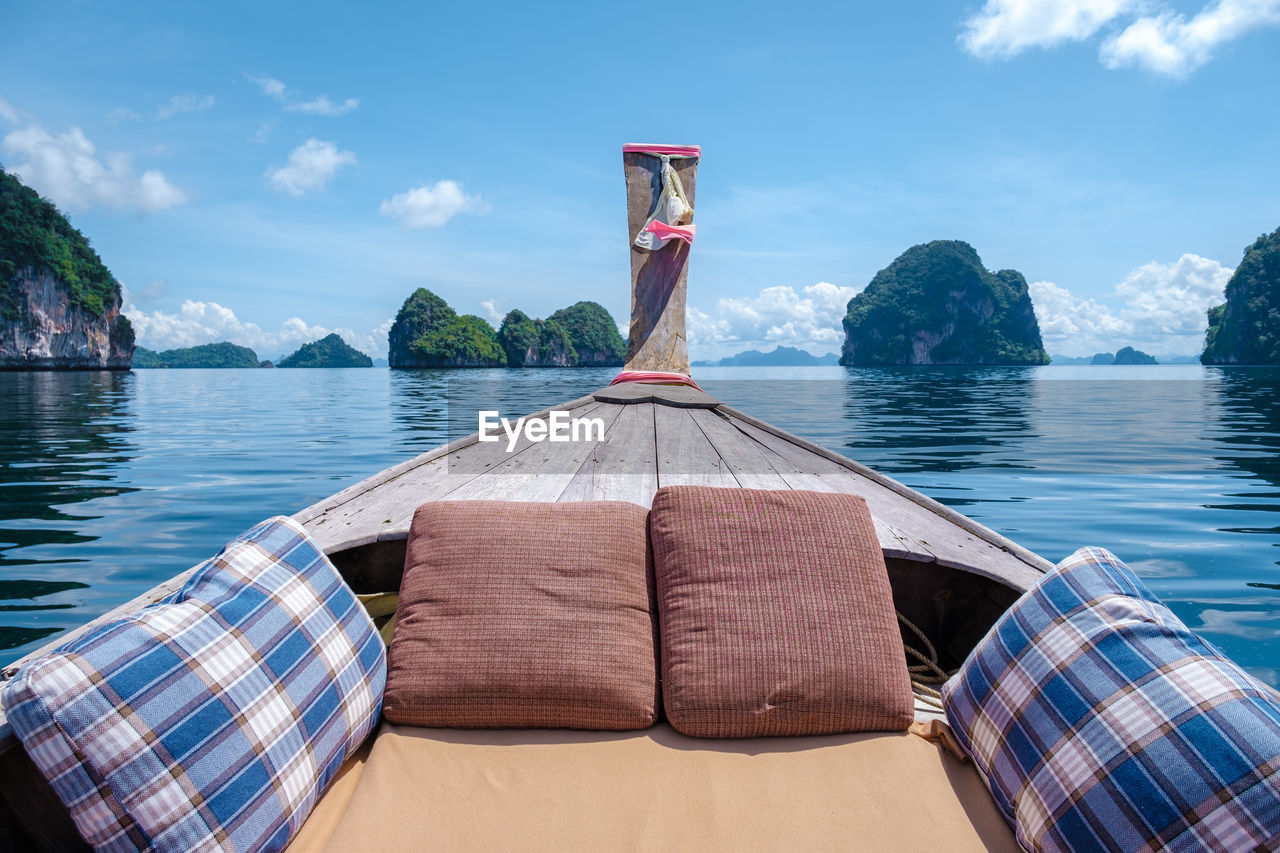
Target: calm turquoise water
point(112, 482)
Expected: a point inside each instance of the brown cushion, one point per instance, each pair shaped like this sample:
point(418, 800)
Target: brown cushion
point(524, 615)
point(776, 615)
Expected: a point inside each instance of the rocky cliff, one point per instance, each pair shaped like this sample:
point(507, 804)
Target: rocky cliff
point(1246, 330)
point(59, 305)
point(527, 342)
point(1129, 355)
point(937, 304)
point(42, 329)
point(593, 334)
point(428, 333)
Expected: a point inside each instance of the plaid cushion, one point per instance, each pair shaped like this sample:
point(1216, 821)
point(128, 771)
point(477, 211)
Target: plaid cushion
point(1101, 722)
point(216, 717)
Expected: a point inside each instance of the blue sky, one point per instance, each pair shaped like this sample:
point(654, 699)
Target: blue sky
point(268, 173)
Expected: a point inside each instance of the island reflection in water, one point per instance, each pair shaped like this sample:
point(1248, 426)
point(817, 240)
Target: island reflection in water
point(62, 439)
point(114, 482)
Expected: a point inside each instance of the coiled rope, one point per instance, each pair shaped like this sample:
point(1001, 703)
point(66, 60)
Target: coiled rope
point(926, 674)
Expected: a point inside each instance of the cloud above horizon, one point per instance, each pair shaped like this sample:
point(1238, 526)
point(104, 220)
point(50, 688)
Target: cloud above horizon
point(187, 103)
point(1163, 310)
point(310, 166)
point(322, 106)
point(197, 323)
point(65, 168)
point(1139, 34)
point(431, 206)
point(276, 90)
point(776, 316)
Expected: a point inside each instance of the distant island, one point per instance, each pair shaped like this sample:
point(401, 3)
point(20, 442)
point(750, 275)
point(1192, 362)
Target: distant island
point(1114, 358)
point(59, 304)
point(937, 304)
point(224, 354)
point(1125, 355)
point(1246, 328)
point(329, 351)
point(778, 357)
point(428, 333)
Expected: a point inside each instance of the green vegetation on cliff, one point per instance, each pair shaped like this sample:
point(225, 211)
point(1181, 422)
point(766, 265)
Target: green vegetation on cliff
point(527, 342)
point(593, 334)
point(1246, 329)
point(329, 351)
point(224, 354)
point(33, 233)
point(463, 341)
point(428, 333)
point(937, 304)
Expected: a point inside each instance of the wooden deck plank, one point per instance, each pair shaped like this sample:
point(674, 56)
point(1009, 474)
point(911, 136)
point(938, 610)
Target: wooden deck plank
point(624, 467)
point(686, 456)
point(542, 472)
point(744, 457)
point(382, 506)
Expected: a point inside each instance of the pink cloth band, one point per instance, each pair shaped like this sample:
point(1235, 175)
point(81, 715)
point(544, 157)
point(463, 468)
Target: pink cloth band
point(673, 150)
point(666, 232)
point(654, 377)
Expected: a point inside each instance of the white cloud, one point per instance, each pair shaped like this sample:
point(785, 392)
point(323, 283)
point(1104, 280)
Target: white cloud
point(1174, 45)
point(311, 165)
point(431, 206)
point(188, 103)
point(7, 112)
point(208, 322)
point(1163, 310)
point(1172, 299)
point(777, 316)
point(1005, 28)
point(322, 106)
point(1071, 326)
point(270, 86)
point(65, 168)
point(492, 309)
point(1143, 33)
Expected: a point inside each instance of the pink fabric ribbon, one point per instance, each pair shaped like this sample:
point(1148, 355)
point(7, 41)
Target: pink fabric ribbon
point(654, 377)
point(666, 232)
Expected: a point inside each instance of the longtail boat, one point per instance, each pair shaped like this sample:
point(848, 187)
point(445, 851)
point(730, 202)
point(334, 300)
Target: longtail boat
point(951, 580)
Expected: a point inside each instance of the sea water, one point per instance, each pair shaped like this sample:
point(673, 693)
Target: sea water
point(111, 482)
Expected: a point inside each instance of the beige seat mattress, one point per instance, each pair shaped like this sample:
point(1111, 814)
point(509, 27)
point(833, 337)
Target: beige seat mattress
point(447, 789)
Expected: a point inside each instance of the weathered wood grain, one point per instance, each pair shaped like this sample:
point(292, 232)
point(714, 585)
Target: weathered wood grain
point(382, 506)
point(658, 278)
point(624, 467)
point(542, 471)
point(744, 457)
point(685, 456)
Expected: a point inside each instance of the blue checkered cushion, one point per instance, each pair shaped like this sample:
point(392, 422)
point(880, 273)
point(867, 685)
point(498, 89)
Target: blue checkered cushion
point(215, 718)
point(1101, 722)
